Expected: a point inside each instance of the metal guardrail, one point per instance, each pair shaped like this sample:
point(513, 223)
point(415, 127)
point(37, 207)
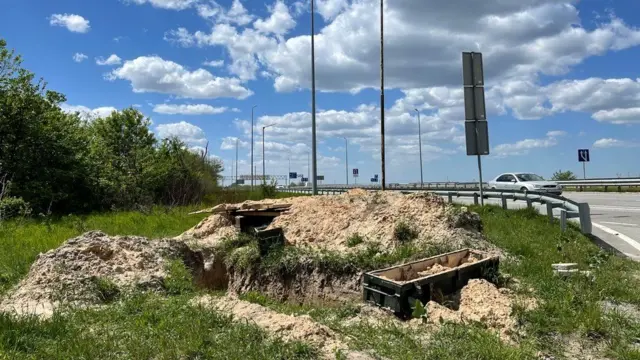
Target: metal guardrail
point(568, 208)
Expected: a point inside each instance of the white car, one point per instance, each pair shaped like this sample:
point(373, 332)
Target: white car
point(525, 182)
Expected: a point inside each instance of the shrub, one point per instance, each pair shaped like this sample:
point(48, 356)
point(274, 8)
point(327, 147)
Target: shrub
point(11, 207)
point(179, 279)
point(404, 232)
point(354, 240)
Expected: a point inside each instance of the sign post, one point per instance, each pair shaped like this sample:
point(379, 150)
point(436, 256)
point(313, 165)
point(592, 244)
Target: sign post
point(355, 176)
point(476, 127)
point(584, 158)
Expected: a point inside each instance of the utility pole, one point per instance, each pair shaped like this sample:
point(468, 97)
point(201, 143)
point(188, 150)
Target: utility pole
point(420, 144)
point(382, 94)
point(252, 166)
point(288, 179)
point(264, 178)
point(346, 162)
point(236, 162)
point(308, 166)
point(314, 184)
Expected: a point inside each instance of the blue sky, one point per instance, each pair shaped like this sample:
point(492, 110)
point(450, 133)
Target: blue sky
point(560, 76)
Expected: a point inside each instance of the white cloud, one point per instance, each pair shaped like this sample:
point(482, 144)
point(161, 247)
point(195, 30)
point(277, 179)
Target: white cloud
point(280, 21)
point(329, 9)
point(214, 63)
point(188, 133)
point(113, 59)
point(188, 109)
point(229, 143)
point(79, 57)
point(154, 74)
point(556, 133)
point(236, 14)
point(610, 143)
point(73, 23)
point(88, 113)
point(619, 116)
point(168, 4)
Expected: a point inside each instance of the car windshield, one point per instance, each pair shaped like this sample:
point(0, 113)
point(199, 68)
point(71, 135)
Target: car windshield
point(529, 177)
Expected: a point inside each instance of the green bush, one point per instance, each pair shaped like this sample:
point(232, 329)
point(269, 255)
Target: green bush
point(11, 207)
point(403, 232)
point(106, 289)
point(354, 240)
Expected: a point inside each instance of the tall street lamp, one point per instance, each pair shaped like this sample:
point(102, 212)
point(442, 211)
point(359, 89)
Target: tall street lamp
point(420, 144)
point(346, 156)
point(314, 182)
point(264, 179)
point(252, 166)
point(383, 180)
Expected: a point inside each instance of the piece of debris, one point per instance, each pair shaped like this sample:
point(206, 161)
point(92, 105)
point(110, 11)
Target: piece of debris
point(564, 266)
point(288, 327)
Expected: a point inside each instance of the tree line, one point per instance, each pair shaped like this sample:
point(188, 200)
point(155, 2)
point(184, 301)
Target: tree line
point(55, 162)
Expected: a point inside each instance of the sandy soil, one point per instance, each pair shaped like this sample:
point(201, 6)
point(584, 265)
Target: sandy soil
point(67, 274)
point(288, 327)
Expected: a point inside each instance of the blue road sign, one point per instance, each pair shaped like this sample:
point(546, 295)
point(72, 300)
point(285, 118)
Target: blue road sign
point(374, 179)
point(293, 175)
point(304, 179)
point(583, 155)
point(355, 172)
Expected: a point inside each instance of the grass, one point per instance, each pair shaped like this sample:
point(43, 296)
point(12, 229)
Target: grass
point(567, 306)
point(354, 240)
point(603, 189)
point(403, 232)
point(142, 327)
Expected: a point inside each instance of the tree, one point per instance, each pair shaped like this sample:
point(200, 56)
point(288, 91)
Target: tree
point(42, 149)
point(563, 175)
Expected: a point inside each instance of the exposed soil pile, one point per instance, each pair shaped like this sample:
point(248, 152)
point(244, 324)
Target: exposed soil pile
point(483, 302)
point(288, 327)
point(83, 268)
point(209, 231)
point(329, 221)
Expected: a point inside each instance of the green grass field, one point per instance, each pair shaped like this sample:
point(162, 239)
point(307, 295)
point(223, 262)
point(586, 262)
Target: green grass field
point(151, 326)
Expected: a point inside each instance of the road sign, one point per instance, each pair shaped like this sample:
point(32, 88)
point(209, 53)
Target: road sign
point(293, 175)
point(583, 155)
point(374, 179)
point(355, 172)
point(304, 179)
point(475, 112)
point(477, 145)
point(320, 177)
point(240, 182)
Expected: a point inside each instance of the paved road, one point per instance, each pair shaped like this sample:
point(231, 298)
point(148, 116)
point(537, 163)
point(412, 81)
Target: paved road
point(614, 213)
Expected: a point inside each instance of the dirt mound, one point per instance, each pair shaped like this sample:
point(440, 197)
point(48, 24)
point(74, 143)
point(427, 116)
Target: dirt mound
point(209, 231)
point(329, 221)
point(90, 267)
point(288, 327)
point(480, 301)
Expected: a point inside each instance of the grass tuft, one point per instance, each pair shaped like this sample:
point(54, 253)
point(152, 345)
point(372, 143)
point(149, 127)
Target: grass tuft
point(354, 240)
point(179, 279)
point(404, 232)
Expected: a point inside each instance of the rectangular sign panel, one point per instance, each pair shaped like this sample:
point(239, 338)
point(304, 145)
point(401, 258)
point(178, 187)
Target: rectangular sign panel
point(374, 179)
point(240, 181)
point(482, 129)
point(293, 175)
point(304, 179)
point(583, 155)
point(472, 72)
point(320, 177)
point(474, 106)
point(355, 172)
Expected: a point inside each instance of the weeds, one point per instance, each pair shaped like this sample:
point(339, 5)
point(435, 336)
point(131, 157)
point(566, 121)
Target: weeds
point(106, 289)
point(142, 327)
point(404, 232)
point(354, 240)
point(179, 279)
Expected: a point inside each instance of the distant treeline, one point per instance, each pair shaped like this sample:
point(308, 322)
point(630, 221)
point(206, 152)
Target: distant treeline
point(55, 162)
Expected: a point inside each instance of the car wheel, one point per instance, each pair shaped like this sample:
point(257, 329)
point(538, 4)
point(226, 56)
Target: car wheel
point(524, 190)
point(493, 188)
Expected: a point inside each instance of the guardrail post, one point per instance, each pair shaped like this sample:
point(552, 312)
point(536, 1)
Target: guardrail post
point(563, 219)
point(450, 198)
point(503, 200)
point(529, 203)
point(550, 212)
point(585, 218)
point(475, 199)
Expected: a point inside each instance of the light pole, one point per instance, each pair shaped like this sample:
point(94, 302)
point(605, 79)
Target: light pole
point(382, 183)
point(288, 175)
point(346, 156)
point(314, 184)
point(252, 166)
point(420, 144)
point(236, 162)
point(308, 166)
point(264, 179)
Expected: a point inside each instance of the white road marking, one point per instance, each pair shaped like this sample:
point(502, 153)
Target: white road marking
point(615, 208)
point(619, 223)
point(622, 237)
